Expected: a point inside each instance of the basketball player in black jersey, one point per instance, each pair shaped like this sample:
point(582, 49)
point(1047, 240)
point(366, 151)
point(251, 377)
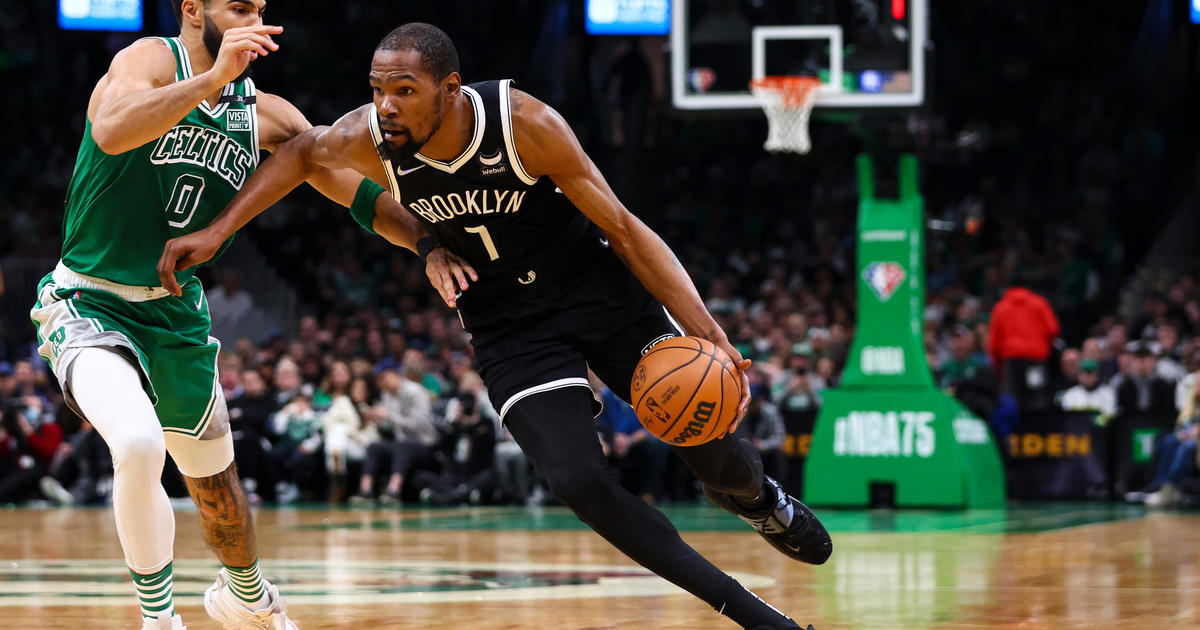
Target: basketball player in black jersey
point(558, 277)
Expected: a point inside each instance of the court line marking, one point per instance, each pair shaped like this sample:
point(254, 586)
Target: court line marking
point(315, 582)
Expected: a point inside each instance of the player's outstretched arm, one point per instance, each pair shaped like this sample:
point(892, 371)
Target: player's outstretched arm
point(279, 122)
point(138, 100)
point(317, 155)
point(547, 146)
point(291, 164)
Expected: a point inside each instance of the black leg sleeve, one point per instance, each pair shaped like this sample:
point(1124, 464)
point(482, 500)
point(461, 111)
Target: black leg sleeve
point(556, 431)
point(730, 465)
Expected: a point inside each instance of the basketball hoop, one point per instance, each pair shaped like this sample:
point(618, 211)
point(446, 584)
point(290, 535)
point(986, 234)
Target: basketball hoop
point(787, 101)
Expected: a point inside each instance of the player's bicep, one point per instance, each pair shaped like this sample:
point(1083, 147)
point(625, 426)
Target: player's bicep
point(587, 189)
point(345, 144)
point(144, 65)
point(310, 147)
point(279, 121)
point(548, 146)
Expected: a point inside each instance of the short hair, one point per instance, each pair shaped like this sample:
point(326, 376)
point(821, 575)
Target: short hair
point(438, 54)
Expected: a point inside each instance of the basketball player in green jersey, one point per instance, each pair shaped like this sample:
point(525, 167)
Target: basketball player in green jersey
point(173, 131)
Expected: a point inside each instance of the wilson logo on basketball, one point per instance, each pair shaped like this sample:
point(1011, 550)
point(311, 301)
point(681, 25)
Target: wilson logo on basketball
point(695, 428)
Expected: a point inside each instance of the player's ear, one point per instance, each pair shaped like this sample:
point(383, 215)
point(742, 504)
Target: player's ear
point(452, 83)
point(193, 12)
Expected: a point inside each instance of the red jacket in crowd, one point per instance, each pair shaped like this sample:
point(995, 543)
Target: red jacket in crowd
point(1022, 327)
point(43, 442)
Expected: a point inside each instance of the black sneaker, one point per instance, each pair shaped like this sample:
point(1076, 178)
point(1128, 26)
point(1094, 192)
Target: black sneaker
point(788, 525)
point(770, 628)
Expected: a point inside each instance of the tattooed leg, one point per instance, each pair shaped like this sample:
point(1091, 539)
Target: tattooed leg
point(225, 517)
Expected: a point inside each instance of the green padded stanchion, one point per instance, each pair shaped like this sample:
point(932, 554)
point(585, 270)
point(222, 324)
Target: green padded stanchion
point(888, 423)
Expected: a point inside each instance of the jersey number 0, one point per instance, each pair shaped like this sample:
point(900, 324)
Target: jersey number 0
point(184, 199)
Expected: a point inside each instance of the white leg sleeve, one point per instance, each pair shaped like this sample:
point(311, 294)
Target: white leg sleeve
point(108, 390)
point(200, 458)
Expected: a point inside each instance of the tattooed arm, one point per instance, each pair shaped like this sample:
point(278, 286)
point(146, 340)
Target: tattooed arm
point(547, 146)
point(225, 517)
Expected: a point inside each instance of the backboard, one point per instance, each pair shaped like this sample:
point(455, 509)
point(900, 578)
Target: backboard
point(867, 53)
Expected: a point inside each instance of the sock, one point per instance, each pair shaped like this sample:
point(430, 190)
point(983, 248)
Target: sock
point(754, 505)
point(154, 593)
point(247, 584)
point(765, 498)
point(745, 608)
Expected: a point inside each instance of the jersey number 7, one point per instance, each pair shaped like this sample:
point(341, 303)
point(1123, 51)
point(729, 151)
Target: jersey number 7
point(488, 244)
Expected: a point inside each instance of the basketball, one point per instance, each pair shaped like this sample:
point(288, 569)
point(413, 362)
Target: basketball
point(685, 391)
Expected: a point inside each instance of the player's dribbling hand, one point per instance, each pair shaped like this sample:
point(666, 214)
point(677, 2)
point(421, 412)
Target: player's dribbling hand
point(183, 252)
point(448, 274)
point(240, 46)
point(744, 383)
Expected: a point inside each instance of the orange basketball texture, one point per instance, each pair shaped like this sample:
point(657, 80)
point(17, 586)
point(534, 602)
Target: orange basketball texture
point(685, 391)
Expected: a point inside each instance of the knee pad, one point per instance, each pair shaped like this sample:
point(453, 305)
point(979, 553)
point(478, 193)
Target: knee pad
point(107, 390)
point(143, 451)
point(201, 458)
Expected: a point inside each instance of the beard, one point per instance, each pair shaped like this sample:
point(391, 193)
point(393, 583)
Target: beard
point(403, 155)
point(212, 42)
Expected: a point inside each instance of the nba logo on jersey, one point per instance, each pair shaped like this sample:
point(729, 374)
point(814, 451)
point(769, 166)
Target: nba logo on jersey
point(883, 278)
point(237, 120)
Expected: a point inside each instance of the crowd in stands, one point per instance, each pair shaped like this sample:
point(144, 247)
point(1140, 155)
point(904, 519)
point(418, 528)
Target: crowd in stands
point(374, 400)
point(375, 411)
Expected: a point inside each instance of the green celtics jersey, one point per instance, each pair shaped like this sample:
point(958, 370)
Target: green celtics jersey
point(121, 209)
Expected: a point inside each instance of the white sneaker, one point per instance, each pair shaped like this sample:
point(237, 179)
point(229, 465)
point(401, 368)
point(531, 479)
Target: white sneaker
point(231, 612)
point(54, 491)
point(286, 492)
point(1137, 496)
point(1167, 496)
point(163, 623)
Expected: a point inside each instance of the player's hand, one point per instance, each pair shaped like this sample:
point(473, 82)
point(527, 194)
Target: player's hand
point(448, 274)
point(743, 381)
point(240, 46)
point(183, 252)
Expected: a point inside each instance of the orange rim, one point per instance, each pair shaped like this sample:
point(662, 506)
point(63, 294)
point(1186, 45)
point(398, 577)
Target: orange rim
point(795, 89)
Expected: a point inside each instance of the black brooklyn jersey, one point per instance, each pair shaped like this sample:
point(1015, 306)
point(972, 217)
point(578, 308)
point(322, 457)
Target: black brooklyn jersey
point(522, 235)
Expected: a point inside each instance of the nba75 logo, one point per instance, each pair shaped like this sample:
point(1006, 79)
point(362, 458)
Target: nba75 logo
point(238, 120)
point(883, 278)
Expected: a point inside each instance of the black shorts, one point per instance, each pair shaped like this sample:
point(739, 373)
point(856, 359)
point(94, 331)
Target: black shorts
point(606, 321)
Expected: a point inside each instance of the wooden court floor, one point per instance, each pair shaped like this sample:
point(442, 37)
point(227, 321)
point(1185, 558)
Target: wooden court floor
point(1041, 567)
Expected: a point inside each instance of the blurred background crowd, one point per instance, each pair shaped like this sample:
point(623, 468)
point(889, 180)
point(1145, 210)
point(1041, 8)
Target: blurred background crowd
point(1047, 171)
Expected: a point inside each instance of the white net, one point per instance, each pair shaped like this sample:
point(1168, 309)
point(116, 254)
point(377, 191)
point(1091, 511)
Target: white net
point(788, 101)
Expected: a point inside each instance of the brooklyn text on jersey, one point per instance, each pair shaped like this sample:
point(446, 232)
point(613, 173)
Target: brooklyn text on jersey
point(479, 201)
